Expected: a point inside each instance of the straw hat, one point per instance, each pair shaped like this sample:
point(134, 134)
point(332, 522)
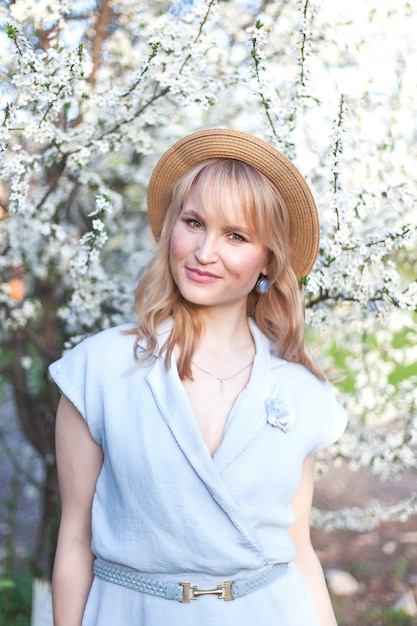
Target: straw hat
point(233, 144)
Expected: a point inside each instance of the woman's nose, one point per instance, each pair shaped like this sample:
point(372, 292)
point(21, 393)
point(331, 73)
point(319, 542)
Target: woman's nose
point(207, 249)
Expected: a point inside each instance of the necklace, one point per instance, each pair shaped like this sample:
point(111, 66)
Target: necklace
point(222, 381)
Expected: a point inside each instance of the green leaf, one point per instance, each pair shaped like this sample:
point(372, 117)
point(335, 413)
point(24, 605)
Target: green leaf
point(11, 31)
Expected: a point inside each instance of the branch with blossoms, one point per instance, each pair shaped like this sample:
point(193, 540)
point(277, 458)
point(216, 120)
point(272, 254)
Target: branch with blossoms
point(359, 520)
point(280, 123)
point(337, 150)
point(306, 34)
point(282, 111)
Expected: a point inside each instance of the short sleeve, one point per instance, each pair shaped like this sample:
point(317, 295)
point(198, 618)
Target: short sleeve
point(333, 420)
point(73, 375)
point(69, 373)
point(86, 373)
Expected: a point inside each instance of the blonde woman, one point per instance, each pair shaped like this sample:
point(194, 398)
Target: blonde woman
point(186, 442)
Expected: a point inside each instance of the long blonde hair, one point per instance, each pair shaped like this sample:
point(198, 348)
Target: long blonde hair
point(279, 313)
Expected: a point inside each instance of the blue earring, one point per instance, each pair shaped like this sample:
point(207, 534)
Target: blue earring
point(262, 285)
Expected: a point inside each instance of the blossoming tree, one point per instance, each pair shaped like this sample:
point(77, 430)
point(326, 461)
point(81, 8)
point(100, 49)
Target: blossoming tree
point(95, 91)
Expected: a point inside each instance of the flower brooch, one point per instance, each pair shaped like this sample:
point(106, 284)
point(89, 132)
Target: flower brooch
point(280, 415)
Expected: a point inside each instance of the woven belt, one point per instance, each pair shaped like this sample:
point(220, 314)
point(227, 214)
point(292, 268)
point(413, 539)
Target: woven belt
point(186, 592)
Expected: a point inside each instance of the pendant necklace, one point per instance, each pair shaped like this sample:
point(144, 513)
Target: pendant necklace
point(222, 381)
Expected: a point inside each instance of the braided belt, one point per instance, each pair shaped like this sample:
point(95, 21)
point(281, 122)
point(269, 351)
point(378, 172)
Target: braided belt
point(186, 592)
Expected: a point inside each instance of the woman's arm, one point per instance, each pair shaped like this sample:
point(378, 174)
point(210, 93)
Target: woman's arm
point(306, 558)
point(79, 461)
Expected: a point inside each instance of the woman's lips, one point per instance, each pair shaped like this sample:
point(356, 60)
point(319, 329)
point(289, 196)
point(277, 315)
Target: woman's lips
point(200, 276)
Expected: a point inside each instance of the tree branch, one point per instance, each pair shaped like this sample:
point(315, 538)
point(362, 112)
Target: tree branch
point(100, 34)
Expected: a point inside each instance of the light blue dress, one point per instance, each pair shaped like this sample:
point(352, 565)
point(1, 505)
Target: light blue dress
point(166, 508)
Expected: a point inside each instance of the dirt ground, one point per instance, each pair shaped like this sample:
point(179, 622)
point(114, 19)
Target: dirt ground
point(383, 561)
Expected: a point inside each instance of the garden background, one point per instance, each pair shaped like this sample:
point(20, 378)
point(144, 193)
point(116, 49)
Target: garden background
point(91, 95)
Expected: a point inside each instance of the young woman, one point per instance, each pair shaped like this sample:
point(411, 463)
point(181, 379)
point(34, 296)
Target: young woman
point(186, 443)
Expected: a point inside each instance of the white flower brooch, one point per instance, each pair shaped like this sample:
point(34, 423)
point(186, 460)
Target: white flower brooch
point(280, 415)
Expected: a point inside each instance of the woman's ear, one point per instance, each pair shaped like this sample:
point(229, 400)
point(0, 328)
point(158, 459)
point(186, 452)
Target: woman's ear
point(265, 269)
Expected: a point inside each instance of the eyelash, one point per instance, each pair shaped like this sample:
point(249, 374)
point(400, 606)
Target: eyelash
point(193, 223)
point(236, 237)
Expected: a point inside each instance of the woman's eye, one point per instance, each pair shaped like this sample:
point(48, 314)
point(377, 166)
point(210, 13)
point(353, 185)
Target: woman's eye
point(193, 223)
point(236, 237)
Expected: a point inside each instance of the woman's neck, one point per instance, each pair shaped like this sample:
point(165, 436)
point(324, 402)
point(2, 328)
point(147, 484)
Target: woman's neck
point(225, 345)
point(225, 332)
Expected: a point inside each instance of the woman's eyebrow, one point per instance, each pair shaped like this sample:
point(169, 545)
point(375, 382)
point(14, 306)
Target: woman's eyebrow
point(191, 212)
point(236, 227)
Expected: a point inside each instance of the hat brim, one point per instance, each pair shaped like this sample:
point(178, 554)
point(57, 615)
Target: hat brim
point(232, 144)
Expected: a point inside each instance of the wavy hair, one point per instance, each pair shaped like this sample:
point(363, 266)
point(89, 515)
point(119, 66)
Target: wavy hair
point(279, 313)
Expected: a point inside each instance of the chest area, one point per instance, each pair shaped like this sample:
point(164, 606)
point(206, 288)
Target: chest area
point(211, 400)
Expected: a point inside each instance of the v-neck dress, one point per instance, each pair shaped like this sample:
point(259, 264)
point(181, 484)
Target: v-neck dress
point(168, 509)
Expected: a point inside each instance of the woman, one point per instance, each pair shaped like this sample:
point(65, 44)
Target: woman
point(186, 444)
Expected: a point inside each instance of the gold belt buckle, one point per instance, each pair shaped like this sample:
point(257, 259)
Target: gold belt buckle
point(223, 591)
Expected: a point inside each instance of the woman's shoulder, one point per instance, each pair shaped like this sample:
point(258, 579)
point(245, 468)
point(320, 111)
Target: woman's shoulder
point(296, 373)
point(110, 347)
point(302, 382)
point(107, 341)
point(114, 334)
point(317, 404)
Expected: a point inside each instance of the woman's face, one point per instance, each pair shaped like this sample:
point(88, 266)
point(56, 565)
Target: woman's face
point(215, 256)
